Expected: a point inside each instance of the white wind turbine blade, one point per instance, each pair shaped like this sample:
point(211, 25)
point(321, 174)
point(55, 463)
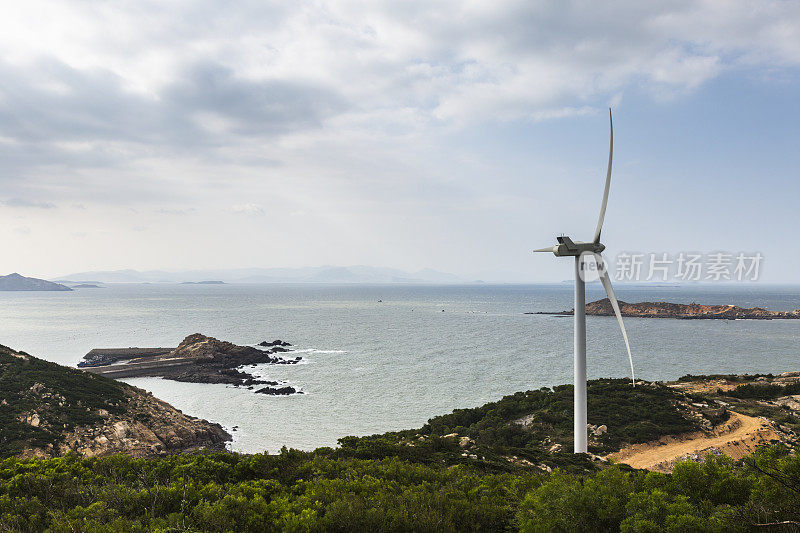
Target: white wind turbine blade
point(606, 281)
point(599, 227)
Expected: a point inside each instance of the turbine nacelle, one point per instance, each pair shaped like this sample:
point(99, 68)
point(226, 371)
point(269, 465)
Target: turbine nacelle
point(567, 248)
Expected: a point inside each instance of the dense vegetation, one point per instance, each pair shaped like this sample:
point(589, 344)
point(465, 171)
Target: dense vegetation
point(61, 396)
point(717, 495)
point(763, 392)
point(318, 491)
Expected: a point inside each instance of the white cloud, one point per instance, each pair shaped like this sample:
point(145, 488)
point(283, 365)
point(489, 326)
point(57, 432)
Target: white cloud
point(130, 80)
point(248, 209)
point(191, 65)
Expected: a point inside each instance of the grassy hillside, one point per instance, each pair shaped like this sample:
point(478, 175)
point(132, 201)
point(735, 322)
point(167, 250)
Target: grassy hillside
point(40, 401)
point(534, 428)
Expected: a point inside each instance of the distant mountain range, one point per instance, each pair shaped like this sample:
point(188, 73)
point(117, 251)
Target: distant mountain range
point(17, 282)
point(323, 274)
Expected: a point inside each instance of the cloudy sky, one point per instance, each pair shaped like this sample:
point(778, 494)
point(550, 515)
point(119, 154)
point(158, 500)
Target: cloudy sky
point(455, 135)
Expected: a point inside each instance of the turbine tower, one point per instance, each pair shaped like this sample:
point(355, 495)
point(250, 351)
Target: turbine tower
point(567, 248)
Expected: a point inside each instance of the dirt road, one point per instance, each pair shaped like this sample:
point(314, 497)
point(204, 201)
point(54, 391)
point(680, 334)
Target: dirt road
point(737, 437)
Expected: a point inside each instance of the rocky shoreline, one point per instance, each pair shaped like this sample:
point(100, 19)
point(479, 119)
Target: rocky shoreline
point(691, 311)
point(198, 359)
point(51, 410)
point(148, 427)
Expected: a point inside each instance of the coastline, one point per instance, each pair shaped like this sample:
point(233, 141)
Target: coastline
point(678, 311)
point(357, 349)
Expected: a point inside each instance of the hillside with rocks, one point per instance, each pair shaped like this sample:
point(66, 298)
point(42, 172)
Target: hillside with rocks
point(651, 426)
point(49, 410)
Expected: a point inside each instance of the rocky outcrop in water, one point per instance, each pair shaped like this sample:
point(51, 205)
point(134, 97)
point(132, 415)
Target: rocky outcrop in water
point(276, 342)
point(278, 391)
point(682, 311)
point(198, 359)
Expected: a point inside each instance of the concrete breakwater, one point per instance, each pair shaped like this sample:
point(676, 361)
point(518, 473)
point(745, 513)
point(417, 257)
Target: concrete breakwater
point(130, 362)
point(148, 366)
point(107, 356)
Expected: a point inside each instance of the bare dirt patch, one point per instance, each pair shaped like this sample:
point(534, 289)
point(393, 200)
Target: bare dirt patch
point(705, 386)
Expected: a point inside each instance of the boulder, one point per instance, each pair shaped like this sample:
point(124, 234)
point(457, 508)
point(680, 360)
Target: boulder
point(276, 342)
point(278, 391)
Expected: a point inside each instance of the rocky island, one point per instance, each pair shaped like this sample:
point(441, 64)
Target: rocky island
point(17, 282)
point(682, 311)
point(198, 359)
point(48, 410)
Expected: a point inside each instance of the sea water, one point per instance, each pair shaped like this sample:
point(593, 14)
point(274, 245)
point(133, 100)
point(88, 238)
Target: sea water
point(378, 358)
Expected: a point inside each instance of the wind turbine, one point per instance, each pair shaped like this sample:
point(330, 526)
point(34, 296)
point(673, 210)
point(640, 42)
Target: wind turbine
point(567, 248)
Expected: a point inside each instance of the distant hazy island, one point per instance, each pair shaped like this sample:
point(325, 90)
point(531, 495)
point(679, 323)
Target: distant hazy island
point(208, 282)
point(682, 311)
point(17, 282)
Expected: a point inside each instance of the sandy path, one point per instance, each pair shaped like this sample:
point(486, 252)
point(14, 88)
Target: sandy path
point(737, 437)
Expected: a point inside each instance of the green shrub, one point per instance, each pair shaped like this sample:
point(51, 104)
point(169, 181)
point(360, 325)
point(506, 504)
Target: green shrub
point(318, 491)
point(757, 392)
